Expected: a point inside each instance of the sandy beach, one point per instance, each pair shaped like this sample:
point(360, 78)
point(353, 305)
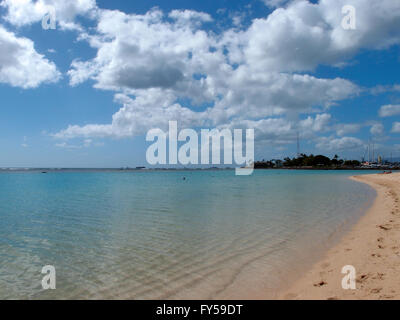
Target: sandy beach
point(372, 247)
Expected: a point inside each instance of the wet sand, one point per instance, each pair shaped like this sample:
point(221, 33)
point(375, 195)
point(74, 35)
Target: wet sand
point(372, 247)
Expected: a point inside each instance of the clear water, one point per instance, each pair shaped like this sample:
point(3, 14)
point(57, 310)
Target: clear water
point(151, 235)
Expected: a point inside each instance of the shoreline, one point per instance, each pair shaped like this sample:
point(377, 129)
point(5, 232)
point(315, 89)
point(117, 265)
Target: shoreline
point(372, 246)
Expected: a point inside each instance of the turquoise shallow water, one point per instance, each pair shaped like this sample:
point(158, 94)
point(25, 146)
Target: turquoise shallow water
point(142, 235)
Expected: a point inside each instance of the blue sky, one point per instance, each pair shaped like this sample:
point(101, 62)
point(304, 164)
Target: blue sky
point(86, 93)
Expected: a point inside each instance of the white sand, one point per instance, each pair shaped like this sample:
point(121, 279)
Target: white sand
point(372, 247)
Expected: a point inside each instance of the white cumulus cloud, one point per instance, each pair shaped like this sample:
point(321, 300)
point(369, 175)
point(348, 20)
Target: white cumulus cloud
point(304, 35)
point(142, 54)
point(389, 110)
point(343, 143)
point(396, 127)
point(162, 66)
point(21, 65)
point(26, 12)
point(346, 128)
point(377, 129)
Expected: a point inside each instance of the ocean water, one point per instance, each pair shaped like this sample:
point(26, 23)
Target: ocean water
point(153, 235)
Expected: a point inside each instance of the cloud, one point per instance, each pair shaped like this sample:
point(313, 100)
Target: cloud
point(379, 89)
point(167, 65)
point(189, 16)
point(21, 65)
point(144, 51)
point(27, 12)
point(86, 143)
point(343, 129)
point(319, 124)
point(153, 108)
point(343, 143)
point(281, 131)
point(389, 110)
point(304, 35)
point(65, 145)
point(396, 127)
point(275, 3)
point(256, 94)
point(150, 109)
point(140, 55)
point(377, 129)
point(25, 144)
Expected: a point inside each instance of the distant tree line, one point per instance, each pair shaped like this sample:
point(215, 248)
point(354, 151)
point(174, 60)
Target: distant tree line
point(309, 161)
